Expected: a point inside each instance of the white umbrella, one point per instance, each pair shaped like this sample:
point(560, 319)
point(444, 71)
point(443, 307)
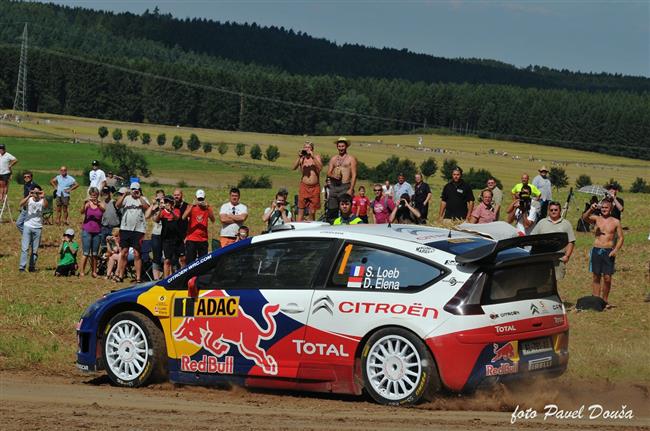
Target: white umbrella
point(593, 190)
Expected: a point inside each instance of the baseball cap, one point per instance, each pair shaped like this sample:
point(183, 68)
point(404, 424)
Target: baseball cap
point(200, 194)
point(135, 186)
point(69, 232)
point(168, 198)
point(122, 190)
point(2, 146)
point(96, 162)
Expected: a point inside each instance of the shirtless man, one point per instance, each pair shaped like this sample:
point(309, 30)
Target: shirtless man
point(343, 172)
point(608, 241)
point(310, 165)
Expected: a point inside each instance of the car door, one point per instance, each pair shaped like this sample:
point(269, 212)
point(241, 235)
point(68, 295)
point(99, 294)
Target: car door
point(251, 309)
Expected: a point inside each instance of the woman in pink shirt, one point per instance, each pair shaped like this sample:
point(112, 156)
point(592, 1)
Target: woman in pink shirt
point(484, 212)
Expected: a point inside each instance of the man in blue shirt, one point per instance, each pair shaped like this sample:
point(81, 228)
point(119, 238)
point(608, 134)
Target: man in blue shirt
point(402, 187)
point(64, 184)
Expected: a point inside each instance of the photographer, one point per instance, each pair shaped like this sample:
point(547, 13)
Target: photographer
point(617, 202)
point(172, 235)
point(404, 212)
point(91, 228)
point(310, 165)
point(277, 214)
point(156, 239)
point(199, 215)
point(67, 264)
point(32, 227)
point(132, 229)
point(523, 211)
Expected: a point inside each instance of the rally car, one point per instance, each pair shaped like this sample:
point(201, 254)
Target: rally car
point(397, 311)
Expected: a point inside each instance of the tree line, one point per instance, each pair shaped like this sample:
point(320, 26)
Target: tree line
point(162, 37)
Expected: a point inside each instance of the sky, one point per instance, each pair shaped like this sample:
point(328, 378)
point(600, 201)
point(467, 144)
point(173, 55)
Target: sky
point(586, 36)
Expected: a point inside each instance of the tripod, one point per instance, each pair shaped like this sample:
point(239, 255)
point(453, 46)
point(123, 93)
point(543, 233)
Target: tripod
point(6, 207)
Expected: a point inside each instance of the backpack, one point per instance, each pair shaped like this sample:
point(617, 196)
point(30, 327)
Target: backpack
point(595, 303)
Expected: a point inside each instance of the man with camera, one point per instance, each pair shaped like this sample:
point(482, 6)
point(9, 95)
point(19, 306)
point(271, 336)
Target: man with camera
point(342, 171)
point(199, 214)
point(277, 214)
point(608, 241)
point(405, 212)
point(34, 205)
point(523, 211)
point(310, 165)
point(173, 231)
point(132, 229)
point(555, 223)
point(617, 202)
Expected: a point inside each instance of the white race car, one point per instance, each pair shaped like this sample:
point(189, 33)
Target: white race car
point(399, 311)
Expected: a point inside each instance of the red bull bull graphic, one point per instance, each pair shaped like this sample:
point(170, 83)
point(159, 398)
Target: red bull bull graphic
point(238, 328)
point(507, 352)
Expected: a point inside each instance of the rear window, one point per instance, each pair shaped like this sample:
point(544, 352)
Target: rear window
point(520, 282)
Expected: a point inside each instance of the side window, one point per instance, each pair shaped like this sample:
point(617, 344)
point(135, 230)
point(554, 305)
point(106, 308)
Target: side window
point(276, 265)
point(368, 268)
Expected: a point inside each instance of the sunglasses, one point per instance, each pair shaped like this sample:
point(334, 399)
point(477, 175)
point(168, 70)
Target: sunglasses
point(377, 190)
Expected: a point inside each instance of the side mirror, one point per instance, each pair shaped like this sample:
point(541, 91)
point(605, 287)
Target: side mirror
point(192, 289)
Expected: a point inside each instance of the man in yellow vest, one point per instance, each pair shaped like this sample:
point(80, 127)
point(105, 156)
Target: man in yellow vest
point(345, 211)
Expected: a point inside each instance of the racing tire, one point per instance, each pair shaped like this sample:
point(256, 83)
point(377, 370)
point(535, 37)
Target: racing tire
point(398, 368)
point(134, 350)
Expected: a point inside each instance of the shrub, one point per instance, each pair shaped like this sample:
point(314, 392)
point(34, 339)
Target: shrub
point(391, 167)
point(558, 177)
point(161, 139)
point(146, 138)
point(223, 148)
point(448, 166)
point(181, 184)
point(249, 182)
point(429, 167)
point(117, 135)
point(132, 134)
point(616, 183)
point(583, 180)
point(102, 132)
point(154, 184)
point(639, 186)
point(272, 153)
point(177, 143)
point(325, 158)
point(256, 152)
point(193, 143)
point(240, 149)
point(207, 147)
point(477, 179)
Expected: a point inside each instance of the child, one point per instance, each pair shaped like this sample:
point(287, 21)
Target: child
point(112, 252)
point(360, 204)
point(67, 264)
point(242, 234)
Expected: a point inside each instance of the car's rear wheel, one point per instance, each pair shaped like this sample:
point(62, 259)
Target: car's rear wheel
point(398, 368)
point(134, 350)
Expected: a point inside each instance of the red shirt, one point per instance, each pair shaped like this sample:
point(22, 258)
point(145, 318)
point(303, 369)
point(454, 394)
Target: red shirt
point(362, 203)
point(198, 224)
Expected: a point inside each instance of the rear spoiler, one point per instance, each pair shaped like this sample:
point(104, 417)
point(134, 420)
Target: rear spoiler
point(545, 243)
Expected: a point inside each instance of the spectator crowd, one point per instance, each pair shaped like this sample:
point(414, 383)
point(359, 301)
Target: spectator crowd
point(115, 218)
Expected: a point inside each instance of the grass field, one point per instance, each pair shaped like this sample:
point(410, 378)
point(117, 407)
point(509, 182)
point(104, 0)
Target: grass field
point(38, 312)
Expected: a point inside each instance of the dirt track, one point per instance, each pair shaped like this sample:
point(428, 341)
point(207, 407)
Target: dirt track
point(62, 403)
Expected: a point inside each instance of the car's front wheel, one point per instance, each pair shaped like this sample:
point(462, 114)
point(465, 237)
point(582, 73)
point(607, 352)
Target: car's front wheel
point(398, 369)
point(134, 350)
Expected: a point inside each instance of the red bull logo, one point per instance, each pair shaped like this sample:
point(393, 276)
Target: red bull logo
point(505, 352)
point(208, 364)
point(214, 334)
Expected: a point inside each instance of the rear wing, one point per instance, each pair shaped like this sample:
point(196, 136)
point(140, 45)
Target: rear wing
point(540, 244)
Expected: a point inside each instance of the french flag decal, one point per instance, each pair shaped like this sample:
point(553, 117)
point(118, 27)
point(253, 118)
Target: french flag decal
point(356, 276)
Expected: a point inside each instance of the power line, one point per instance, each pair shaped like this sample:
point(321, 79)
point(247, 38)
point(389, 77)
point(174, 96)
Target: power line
point(21, 85)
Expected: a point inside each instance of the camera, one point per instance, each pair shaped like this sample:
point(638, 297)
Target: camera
point(524, 203)
point(303, 153)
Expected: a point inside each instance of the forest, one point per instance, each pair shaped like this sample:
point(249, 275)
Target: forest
point(154, 68)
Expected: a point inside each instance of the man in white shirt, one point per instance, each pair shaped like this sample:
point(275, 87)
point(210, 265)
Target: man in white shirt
point(543, 183)
point(7, 161)
point(232, 215)
point(34, 204)
point(97, 177)
point(524, 211)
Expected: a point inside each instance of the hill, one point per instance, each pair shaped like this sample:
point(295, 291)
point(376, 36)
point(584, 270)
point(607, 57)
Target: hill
point(122, 67)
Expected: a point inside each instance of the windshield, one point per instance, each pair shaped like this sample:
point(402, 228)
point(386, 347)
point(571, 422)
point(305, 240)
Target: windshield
point(515, 283)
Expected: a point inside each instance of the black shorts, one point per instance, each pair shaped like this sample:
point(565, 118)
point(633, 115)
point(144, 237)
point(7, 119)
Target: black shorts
point(173, 249)
point(5, 178)
point(195, 249)
point(66, 270)
point(600, 262)
point(130, 238)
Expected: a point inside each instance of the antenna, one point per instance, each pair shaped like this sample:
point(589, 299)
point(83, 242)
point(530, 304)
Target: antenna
point(21, 85)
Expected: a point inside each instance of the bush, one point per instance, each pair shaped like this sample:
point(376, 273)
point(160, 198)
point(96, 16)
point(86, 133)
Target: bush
point(363, 171)
point(477, 179)
point(223, 148)
point(126, 162)
point(391, 167)
point(177, 143)
point(616, 183)
point(583, 180)
point(558, 177)
point(146, 138)
point(429, 167)
point(154, 184)
point(639, 186)
point(207, 147)
point(181, 184)
point(325, 158)
point(161, 139)
point(448, 166)
point(272, 153)
point(102, 132)
point(240, 149)
point(117, 135)
point(193, 143)
point(132, 134)
point(256, 152)
point(249, 182)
